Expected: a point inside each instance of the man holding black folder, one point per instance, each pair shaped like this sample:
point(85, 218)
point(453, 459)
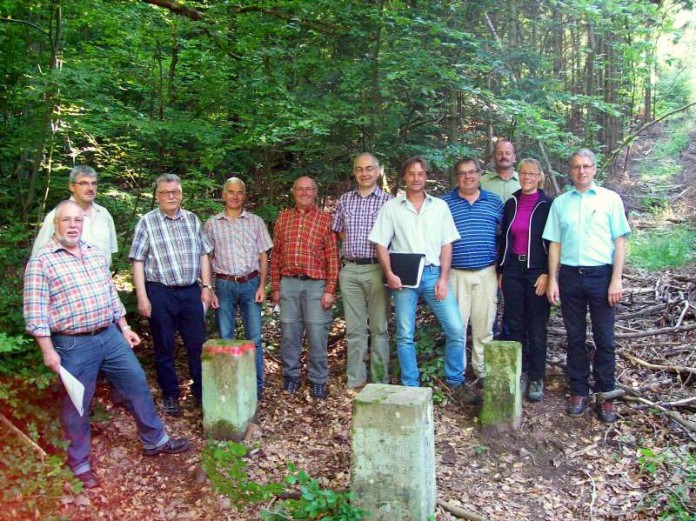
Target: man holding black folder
point(364, 296)
point(417, 223)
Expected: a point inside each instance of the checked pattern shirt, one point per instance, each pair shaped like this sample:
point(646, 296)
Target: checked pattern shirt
point(304, 244)
point(355, 216)
point(67, 294)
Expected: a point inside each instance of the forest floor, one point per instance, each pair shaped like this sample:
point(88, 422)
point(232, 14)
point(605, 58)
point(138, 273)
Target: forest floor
point(554, 468)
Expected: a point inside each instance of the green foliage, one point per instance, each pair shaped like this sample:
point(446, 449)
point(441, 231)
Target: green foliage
point(32, 484)
point(677, 467)
point(658, 249)
point(315, 502)
point(225, 466)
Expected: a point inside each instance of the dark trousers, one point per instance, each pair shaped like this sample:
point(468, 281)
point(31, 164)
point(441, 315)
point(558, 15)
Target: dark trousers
point(176, 309)
point(527, 316)
point(580, 289)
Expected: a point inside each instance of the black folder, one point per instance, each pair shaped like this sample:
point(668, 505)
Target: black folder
point(408, 267)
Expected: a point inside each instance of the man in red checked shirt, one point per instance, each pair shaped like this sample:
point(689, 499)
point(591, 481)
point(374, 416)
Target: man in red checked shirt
point(72, 309)
point(304, 274)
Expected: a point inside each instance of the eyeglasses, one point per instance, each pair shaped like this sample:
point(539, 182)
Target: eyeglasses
point(578, 168)
point(529, 174)
point(71, 220)
point(304, 189)
point(369, 169)
point(85, 184)
point(169, 193)
point(467, 173)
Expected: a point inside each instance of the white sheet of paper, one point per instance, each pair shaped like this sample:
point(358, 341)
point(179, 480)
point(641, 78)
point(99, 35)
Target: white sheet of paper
point(75, 389)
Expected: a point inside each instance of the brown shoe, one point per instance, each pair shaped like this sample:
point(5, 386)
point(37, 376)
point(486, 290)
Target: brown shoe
point(605, 412)
point(577, 405)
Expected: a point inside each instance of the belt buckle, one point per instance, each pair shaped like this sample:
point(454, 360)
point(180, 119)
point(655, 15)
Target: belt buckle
point(582, 271)
point(522, 258)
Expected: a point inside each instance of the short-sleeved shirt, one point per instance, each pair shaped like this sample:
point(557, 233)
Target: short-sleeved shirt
point(170, 248)
point(237, 243)
point(64, 293)
point(586, 224)
point(402, 229)
point(355, 216)
point(97, 228)
point(478, 225)
point(304, 244)
point(503, 188)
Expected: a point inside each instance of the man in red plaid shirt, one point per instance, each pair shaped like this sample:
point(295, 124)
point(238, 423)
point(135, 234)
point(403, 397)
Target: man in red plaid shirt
point(304, 273)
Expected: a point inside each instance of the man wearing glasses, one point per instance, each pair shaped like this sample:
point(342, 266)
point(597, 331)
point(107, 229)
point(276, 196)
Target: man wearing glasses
point(169, 255)
point(477, 214)
point(587, 228)
point(304, 274)
point(98, 226)
point(364, 296)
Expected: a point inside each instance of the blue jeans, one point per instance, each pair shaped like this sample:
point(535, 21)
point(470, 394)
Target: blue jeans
point(176, 309)
point(580, 289)
point(301, 311)
point(241, 295)
point(84, 357)
point(447, 314)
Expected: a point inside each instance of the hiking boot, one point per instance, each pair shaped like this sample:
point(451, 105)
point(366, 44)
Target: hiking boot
point(173, 446)
point(291, 385)
point(463, 396)
point(605, 412)
point(577, 405)
point(88, 479)
point(171, 406)
point(319, 391)
point(536, 390)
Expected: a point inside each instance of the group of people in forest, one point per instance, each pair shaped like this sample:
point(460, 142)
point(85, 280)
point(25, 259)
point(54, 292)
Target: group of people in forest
point(492, 232)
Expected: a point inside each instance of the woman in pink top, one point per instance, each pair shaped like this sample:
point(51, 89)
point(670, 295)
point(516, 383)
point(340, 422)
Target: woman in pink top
point(523, 271)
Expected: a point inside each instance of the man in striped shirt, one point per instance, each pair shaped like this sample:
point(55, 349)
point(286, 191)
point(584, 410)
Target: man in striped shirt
point(477, 214)
point(240, 263)
point(169, 254)
point(304, 273)
point(72, 309)
point(362, 288)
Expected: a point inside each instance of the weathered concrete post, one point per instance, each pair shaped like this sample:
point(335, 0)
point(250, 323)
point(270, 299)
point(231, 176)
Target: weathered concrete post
point(393, 453)
point(502, 397)
point(229, 388)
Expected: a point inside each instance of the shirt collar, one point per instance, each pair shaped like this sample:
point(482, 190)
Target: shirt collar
point(223, 215)
point(376, 193)
point(179, 215)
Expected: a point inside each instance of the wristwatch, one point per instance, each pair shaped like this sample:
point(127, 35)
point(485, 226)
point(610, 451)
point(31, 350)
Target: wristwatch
point(209, 286)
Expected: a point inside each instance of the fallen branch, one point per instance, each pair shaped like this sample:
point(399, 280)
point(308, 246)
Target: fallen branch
point(23, 436)
point(460, 512)
point(637, 334)
point(688, 424)
point(676, 369)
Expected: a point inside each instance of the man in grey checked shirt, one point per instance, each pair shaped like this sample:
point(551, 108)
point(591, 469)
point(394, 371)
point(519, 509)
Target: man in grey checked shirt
point(169, 253)
point(362, 289)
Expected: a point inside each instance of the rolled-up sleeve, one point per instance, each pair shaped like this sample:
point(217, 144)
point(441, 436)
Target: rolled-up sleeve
point(36, 299)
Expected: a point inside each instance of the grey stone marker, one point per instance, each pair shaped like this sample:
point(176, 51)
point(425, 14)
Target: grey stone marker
point(229, 388)
point(393, 453)
point(502, 396)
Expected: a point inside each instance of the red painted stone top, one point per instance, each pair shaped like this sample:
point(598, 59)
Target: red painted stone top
point(227, 347)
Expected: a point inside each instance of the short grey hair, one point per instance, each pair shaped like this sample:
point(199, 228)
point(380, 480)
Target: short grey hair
point(167, 178)
point(367, 154)
point(82, 170)
point(234, 181)
point(61, 205)
point(584, 152)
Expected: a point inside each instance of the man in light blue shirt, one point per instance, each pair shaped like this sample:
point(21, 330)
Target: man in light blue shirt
point(587, 228)
point(419, 223)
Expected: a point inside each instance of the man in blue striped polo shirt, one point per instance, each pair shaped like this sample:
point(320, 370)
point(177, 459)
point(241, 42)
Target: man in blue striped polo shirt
point(477, 215)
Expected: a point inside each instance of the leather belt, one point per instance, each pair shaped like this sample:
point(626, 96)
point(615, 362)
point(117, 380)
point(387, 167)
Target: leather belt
point(89, 333)
point(300, 277)
point(239, 279)
point(362, 261)
point(586, 270)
